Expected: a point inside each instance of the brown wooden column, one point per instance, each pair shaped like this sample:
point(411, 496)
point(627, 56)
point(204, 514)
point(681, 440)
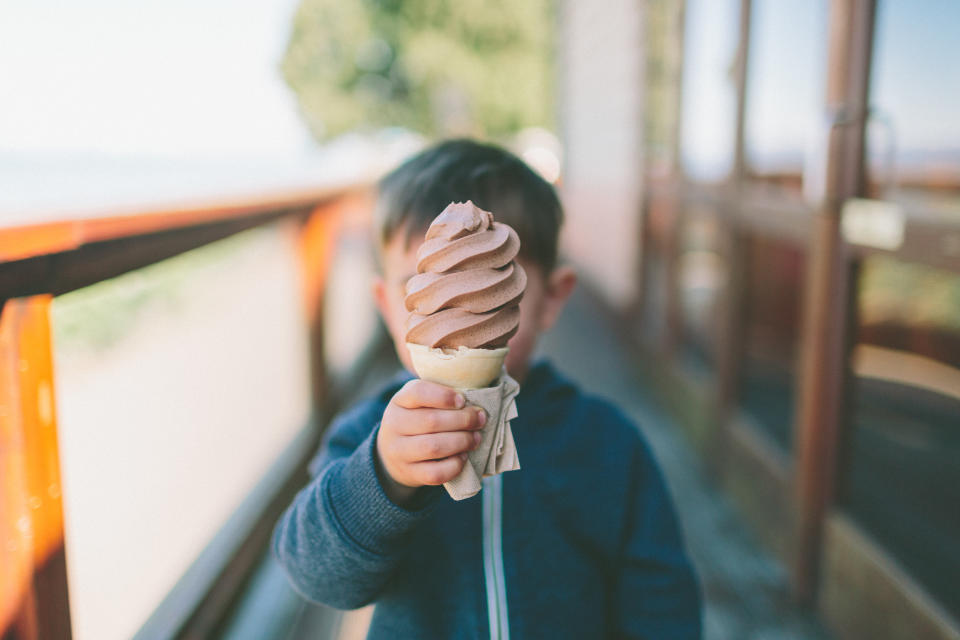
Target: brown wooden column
point(732, 316)
point(660, 194)
point(673, 314)
point(732, 333)
point(318, 248)
point(827, 303)
point(740, 77)
point(33, 577)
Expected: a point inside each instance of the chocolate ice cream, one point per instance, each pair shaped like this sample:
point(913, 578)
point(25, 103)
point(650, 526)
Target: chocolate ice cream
point(468, 286)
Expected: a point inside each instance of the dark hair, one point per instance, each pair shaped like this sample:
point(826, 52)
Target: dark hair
point(414, 193)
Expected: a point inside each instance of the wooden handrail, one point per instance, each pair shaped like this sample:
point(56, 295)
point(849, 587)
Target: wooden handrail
point(930, 237)
point(32, 240)
point(60, 256)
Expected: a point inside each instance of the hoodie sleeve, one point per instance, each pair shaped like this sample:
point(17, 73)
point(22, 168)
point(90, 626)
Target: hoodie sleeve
point(341, 538)
point(657, 594)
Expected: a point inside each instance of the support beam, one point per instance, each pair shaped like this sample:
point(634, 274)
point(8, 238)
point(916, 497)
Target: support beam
point(733, 316)
point(33, 576)
point(318, 237)
point(828, 301)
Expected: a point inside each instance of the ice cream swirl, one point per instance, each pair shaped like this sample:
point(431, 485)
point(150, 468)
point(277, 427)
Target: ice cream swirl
point(468, 286)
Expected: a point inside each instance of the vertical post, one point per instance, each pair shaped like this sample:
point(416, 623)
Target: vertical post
point(673, 322)
point(317, 238)
point(660, 191)
point(673, 209)
point(731, 327)
point(732, 334)
point(740, 75)
point(827, 312)
point(33, 577)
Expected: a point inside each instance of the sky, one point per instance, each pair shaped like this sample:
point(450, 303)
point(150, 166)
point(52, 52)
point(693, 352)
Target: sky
point(164, 78)
point(915, 82)
point(916, 74)
point(785, 79)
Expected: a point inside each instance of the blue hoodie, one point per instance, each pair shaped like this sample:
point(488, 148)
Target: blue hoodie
point(581, 542)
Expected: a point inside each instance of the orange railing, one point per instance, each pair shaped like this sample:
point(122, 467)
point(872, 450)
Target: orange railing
point(40, 261)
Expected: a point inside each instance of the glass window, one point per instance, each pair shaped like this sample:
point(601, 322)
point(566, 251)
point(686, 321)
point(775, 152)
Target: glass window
point(774, 293)
point(913, 140)
point(178, 385)
point(785, 88)
point(903, 480)
point(708, 111)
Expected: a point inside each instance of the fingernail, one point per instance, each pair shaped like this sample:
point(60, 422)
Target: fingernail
point(476, 438)
point(481, 417)
point(458, 401)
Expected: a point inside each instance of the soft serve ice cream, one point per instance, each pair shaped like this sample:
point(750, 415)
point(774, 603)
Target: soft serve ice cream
point(467, 289)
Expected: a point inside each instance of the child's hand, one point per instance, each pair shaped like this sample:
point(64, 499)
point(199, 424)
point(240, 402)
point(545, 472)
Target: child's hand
point(424, 437)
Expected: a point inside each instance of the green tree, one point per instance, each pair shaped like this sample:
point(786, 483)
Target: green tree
point(481, 67)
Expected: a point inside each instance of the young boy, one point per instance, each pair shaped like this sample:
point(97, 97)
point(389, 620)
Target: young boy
point(582, 542)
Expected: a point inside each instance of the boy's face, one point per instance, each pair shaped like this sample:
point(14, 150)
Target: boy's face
point(542, 302)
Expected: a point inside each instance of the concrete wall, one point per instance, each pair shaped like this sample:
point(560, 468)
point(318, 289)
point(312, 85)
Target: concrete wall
point(600, 100)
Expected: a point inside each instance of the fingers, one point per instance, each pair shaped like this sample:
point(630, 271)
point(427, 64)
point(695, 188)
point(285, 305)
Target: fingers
point(412, 422)
point(426, 432)
point(435, 446)
point(438, 471)
point(420, 393)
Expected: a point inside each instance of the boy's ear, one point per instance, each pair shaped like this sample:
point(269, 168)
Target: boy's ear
point(559, 286)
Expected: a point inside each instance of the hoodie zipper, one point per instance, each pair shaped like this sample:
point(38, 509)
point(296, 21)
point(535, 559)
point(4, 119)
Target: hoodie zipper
point(493, 558)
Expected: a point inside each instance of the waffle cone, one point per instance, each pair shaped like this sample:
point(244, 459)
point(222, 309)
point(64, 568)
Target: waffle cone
point(461, 368)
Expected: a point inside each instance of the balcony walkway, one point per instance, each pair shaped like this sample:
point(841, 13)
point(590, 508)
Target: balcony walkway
point(745, 589)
